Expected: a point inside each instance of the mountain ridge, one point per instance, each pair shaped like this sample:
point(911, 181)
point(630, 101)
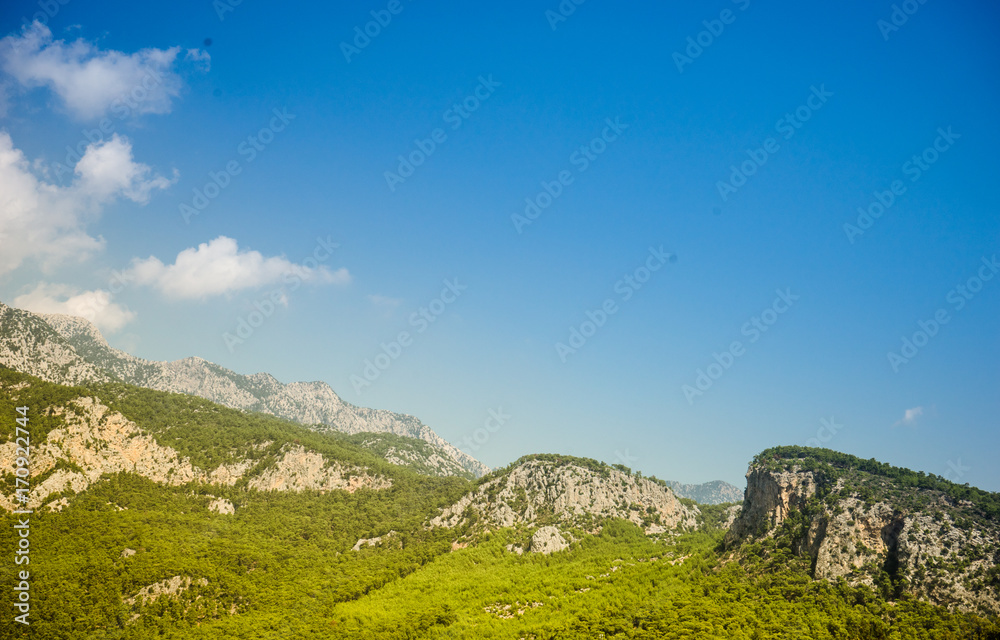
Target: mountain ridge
point(69, 350)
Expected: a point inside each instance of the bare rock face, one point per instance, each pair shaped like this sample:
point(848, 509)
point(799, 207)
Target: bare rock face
point(769, 498)
point(943, 553)
point(547, 540)
point(168, 587)
point(371, 542)
point(569, 492)
point(302, 470)
point(222, 506)
point(95, 441)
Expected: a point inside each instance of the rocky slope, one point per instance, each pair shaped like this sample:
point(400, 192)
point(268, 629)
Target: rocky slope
point(564, 493)
point(70, 350)
point(92, 441)
point(876, 528)
point(31, 346)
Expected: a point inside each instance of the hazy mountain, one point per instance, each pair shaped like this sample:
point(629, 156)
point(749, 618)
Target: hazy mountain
point(70, 350)
point(714, 492)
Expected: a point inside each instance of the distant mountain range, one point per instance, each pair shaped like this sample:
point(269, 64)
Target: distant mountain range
point(715, 492)
point(70, 350)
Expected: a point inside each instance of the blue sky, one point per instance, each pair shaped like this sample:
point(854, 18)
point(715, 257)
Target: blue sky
point(864, 98)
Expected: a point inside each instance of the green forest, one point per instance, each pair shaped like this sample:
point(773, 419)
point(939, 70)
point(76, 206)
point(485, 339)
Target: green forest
point(283, 565)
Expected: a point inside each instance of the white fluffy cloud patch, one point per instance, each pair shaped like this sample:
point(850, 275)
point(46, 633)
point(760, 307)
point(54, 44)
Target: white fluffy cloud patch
point(90, 81)
point(95, 306)
point(47, 222)
point(219, 268)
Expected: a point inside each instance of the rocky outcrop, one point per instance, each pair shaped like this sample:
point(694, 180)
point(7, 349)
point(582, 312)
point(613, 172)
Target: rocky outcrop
point(769, 498)
point(169, 587)
point(944, 552)
point(222, 506)
point(302, 470)
point(94, 440)
point(70, 350)
point(569, 493)
point(371, 542)
point(547, 540)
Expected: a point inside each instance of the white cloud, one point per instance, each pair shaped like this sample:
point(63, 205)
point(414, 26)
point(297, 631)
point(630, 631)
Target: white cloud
point(910, 417)
point(90, 81)
point(219, 268)
point(47, 222)
point(200, 58)
point(95, 306)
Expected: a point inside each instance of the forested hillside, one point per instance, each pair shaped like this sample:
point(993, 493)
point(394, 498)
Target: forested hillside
point(164, 515)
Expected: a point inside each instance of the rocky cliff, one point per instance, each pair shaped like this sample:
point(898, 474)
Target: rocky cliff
point(872, 528)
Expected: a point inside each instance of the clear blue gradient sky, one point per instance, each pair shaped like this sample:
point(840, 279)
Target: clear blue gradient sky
point(874, 98)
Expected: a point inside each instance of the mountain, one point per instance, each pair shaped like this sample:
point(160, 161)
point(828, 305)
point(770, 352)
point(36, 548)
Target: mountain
point(715, 492)
point(70, 350)
point(567, 494)
point(157, 514)
point(29, 344)
point(872, 524)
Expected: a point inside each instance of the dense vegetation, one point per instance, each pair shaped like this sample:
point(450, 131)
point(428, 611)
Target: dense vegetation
point(283, 565)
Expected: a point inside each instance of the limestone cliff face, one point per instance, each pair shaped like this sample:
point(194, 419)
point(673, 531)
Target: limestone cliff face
point(95, 441)
point(944, 552)
point(769, 498)
point(569, 493)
